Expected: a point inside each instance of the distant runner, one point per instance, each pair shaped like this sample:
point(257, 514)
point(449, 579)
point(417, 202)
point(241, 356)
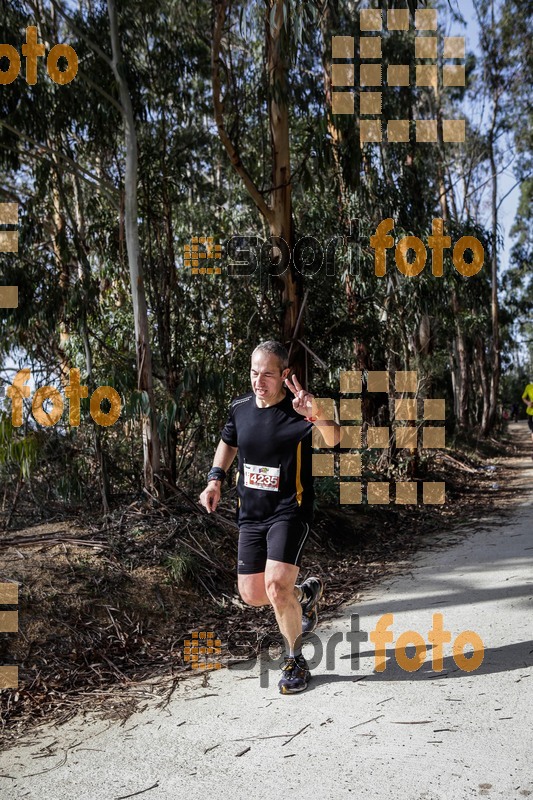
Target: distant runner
point(527, 397)
point(271, 430)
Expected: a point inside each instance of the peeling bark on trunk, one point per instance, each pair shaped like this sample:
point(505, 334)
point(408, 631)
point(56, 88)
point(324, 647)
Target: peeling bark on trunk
point(461, 382)
point(151, 447)
point(461, 373)
point(278, 212)
point(327, 25)
point(281, 197)
point(84, 276)
point(495, 344)
point(61, 258)
point(483, 373)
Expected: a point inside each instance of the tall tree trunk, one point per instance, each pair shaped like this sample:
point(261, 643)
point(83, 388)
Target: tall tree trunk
point(329, 23)
point(151, 447)
point(277, 213)
point(483, 373)
point(461, 383)
point(495, 342)
point(84, 276)
point(459, 363)
point(346, 151)
point(495, 83)
point(62, 262)
point(281, 224)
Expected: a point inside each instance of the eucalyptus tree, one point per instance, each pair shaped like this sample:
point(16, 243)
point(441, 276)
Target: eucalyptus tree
point(504, 83)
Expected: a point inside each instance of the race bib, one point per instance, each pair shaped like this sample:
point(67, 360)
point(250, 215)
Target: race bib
point(266, 478)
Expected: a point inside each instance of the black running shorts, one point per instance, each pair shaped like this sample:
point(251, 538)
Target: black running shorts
point(279, 541)
point(530, 422)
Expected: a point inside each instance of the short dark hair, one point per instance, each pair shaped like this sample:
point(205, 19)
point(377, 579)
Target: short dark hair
point(275, 349)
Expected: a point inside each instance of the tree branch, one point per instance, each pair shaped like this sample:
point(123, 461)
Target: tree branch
point(218, 107)
point(72, 25)
point(101, 91)
point(513, 187)
point(108, 188)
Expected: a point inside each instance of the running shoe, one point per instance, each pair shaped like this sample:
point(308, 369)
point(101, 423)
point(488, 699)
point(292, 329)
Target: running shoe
point(295, 675)
point(313, 589)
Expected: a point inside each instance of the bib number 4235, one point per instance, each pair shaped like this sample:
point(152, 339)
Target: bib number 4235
point(257, 477)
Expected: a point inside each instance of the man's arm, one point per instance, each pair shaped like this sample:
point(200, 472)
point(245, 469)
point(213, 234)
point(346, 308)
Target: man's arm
point(224, 456)
point(329, 430)
point(525, 397)
point(305, 403)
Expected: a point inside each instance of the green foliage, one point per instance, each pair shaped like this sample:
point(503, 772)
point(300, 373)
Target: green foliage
point(181, 565)
point(62, 155)
point(19, 453)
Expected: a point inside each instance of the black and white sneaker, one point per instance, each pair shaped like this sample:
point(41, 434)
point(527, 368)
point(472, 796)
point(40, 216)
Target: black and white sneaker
point(295, 675)
point(313, 589)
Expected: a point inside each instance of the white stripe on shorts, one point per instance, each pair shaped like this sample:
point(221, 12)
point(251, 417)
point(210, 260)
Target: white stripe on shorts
point(303, 542)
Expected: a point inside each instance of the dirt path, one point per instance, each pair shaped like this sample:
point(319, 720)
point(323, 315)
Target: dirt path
point(356, 732)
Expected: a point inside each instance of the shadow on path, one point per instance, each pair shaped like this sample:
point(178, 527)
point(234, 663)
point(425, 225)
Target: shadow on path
point(507, 658)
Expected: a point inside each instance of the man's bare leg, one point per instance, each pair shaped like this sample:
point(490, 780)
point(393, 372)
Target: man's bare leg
point(280, 579)
point(252, 589)
point(280, 589)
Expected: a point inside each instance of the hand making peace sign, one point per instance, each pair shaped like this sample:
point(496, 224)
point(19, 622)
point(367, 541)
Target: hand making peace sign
point(304, 402)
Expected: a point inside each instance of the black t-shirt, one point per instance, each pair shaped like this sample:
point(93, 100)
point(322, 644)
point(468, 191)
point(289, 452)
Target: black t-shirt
point(275, 452)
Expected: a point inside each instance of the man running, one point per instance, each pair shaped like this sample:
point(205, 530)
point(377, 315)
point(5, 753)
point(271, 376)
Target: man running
point(271, 430)
point(527, 397)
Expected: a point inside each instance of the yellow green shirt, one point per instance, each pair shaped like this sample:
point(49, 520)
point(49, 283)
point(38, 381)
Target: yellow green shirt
point(528, 395)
